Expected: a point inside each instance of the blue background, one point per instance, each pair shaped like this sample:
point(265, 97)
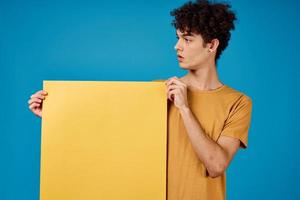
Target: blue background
point(133, 40)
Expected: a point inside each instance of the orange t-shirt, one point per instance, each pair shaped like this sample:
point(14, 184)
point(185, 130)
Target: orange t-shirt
point(223, 111)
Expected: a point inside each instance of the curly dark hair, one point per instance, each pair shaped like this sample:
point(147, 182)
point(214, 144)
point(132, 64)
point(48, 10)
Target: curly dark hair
point(210, 20)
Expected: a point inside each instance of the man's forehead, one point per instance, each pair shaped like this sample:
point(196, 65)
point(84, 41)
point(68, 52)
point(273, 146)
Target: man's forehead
point(185, 33)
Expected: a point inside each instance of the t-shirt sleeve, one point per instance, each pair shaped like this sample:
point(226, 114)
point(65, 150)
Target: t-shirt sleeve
point(238, 122)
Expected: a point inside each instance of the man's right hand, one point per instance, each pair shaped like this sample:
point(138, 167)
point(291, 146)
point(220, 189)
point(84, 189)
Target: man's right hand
point(35, 103)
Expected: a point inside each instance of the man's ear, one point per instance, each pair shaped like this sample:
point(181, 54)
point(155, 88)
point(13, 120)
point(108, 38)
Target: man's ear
point(213, 45)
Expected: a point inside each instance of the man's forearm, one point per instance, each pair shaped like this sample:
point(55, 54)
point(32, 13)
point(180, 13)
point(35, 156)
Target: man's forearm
point(209, 152)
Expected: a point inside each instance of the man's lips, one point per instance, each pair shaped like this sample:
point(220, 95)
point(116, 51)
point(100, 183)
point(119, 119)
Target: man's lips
point(180, 58)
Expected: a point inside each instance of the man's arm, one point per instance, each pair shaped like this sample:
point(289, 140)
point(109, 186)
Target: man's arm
point(216, 156)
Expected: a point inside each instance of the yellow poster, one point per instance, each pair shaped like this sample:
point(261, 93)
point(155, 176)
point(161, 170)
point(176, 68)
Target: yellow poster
point(104, 140)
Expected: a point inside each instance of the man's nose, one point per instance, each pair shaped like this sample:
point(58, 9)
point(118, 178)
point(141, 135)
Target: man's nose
point(177, 46)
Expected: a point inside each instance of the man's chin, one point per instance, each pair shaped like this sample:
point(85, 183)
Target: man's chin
point(183, 66)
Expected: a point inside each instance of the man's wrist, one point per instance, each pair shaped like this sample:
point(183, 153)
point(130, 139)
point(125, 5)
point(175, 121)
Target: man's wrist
point(184, 109)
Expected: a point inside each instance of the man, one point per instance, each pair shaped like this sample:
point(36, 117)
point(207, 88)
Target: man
point(207, 120)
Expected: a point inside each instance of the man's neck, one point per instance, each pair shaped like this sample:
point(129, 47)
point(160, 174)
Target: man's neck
point(204, 78)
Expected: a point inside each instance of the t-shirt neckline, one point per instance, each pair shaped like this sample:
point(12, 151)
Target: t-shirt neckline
point(208, 91)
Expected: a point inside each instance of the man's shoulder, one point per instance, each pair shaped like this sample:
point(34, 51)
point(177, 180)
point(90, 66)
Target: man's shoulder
point(237, 94)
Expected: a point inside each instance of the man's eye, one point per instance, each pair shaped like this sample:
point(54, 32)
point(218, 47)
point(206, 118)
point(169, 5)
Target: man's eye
point(187, 40)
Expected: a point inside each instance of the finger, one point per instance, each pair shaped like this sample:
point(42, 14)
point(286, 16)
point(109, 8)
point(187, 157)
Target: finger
point(175, 81)
point(34, 100)
point(181, 87)
point(171, 88)
point(40, 96)
point(42, 92)
point(173, 92)
point(34, 105)
point(168, 80)
point(169, 94)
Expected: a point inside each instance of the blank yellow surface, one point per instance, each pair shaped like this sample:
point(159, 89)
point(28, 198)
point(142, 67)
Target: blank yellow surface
point(104, 140)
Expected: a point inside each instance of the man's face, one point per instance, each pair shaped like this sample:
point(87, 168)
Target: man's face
point(191, 52)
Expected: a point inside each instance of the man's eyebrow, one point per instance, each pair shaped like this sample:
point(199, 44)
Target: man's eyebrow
point(186, 34)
